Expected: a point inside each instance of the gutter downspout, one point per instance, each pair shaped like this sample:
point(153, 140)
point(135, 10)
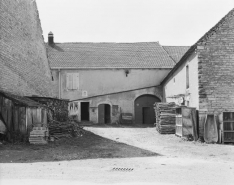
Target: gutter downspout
point(59, 83)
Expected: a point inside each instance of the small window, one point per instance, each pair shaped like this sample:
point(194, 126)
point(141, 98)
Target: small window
point(187, 77)
point(73, 81)
point(174, 80)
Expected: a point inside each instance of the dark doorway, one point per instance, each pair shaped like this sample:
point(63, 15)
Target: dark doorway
point(104, 113)
point(144, 109)
point(84, 111)
point(146, 115)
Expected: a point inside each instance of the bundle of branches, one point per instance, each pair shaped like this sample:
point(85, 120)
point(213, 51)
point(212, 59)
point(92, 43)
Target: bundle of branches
point(66, 129)
point(165, 117)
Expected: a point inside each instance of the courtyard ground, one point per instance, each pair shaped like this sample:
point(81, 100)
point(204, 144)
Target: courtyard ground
point(120, 155)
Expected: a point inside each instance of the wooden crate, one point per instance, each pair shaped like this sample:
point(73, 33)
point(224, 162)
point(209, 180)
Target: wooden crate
point(228, 127)
point(186, 122)
point(179, 125)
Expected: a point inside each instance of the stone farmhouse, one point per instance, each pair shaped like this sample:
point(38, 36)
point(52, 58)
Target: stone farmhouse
point(106, 82)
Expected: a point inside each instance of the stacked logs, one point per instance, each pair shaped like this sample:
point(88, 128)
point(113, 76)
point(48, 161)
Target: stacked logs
point(165, 117)
point(66, 129)
point(59, 107)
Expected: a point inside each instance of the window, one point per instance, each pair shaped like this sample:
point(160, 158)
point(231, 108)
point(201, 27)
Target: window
point(72, 81)
point(187, 77)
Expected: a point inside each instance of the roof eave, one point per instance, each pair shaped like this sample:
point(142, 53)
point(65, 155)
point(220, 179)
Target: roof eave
point(111, 68)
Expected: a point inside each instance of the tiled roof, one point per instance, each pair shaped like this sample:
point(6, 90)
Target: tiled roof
point(176, 52)
point(109, 55)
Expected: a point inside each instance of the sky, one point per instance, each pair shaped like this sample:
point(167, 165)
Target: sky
point(169, 22)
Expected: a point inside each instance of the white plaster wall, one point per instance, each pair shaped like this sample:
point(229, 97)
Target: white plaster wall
point(125, 101)
point(104, 81)
point(177, 83)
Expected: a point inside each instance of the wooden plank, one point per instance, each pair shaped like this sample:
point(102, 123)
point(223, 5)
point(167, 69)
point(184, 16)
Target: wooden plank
point(210, 129)
point(44, 116)
point(1, 102)
point(16, 118)
point(39, 115)
point(34, 116)
point(194, 118)
point(4, 111)
point(22, 120)
point(9, 115)
point(29, 120)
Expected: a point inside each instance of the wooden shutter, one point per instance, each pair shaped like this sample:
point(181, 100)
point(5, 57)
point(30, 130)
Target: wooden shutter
point(69, 80)
point(75, 80)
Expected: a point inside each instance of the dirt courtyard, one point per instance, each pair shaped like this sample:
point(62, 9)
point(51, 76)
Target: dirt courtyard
point(118, 155)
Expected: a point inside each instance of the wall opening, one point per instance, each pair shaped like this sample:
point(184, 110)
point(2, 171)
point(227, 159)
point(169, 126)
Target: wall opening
point(104, 113)
point(144, 109)
point(84, 111)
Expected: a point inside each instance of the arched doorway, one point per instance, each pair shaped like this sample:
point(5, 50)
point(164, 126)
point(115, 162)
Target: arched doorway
point(144, 109)
point(104, 113)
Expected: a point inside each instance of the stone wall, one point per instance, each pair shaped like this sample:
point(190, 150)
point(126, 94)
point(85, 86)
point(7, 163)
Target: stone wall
point(216, 69)
point(24, 68)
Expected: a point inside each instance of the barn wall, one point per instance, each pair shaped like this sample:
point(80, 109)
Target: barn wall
point(24, 68)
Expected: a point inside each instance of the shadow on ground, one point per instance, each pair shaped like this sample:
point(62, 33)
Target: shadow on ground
point(89, 146)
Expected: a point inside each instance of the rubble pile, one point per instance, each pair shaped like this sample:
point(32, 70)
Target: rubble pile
point(66, 129)
point(165, 117)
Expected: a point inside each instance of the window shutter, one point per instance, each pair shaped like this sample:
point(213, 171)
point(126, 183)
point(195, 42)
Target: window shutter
point(75, 80)
point(69, 80)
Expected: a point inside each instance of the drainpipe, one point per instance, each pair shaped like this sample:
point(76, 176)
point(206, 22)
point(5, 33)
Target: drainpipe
point(59, 83)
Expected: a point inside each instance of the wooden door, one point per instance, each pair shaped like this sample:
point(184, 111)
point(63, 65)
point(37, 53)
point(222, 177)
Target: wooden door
point(146, 115)
point(101, 113)
point(144, 105)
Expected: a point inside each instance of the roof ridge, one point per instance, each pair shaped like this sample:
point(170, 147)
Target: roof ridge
point(175, 46)
point(168, 54)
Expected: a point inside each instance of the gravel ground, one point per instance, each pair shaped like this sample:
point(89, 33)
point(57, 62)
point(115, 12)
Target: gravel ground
point(179, 162)
point(166, 145)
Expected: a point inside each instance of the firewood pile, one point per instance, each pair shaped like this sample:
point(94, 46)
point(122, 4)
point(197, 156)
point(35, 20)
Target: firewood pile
point(57, 106)
point(165, 117)
point(66, 129)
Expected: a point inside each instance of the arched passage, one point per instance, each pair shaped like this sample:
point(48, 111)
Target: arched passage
point(144, 109)
point(104, 113)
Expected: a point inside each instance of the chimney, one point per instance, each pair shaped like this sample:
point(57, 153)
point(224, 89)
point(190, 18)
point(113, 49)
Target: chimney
point(51, 38)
